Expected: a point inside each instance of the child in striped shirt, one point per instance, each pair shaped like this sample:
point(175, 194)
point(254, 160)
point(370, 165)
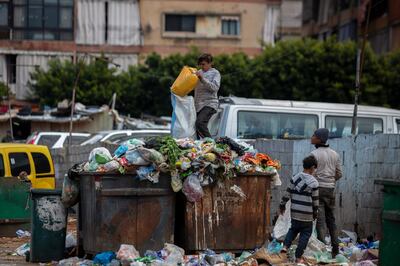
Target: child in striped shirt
point(303, 194)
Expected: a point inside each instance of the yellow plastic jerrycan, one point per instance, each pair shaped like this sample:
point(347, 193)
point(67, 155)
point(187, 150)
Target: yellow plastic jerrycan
point(185, 82)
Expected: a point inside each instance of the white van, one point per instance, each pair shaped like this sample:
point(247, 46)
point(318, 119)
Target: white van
point(241, 118)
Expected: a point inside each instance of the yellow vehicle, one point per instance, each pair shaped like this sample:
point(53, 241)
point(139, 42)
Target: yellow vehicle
point(31, 162)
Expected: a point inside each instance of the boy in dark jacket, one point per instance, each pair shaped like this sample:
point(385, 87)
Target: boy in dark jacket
point(303, 194)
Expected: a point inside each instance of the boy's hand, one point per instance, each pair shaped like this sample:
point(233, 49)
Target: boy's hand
point(199, 75)
point(282, 209)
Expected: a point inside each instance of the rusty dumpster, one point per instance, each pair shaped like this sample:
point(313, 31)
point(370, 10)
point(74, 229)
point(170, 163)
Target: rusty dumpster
point(225, 221)
point(120, 209)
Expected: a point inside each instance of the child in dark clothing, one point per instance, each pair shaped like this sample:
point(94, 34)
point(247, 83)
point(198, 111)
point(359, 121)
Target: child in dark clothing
point(303, 194)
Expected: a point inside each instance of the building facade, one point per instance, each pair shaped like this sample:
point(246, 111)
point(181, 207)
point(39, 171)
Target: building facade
point(345, 19)
point(32, 32)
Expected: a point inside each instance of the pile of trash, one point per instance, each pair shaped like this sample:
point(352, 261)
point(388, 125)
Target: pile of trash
point(170, 255)
point(353, 251)
point(191, 163)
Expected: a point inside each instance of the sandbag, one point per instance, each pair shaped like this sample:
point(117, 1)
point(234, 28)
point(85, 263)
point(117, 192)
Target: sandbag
point(185, 82)
point(183, 123)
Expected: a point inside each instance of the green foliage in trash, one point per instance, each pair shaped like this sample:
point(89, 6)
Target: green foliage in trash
point(171, 150)
point(304, 69)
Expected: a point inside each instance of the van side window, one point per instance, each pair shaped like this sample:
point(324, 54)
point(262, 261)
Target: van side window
point(398, 125)
point(19, 162)
point(340, 126)
point(2, 170)
point(41, 162)
point(253, 125)
point(213, 124)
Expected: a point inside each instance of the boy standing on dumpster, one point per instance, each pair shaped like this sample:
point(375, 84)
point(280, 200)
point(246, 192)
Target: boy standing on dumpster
point(205, 94)
point(303, 194)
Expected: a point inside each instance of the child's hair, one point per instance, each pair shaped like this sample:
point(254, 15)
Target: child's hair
point(309, 162)
point(205, 58)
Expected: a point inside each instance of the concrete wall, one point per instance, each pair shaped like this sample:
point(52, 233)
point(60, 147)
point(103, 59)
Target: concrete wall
point(364, 159)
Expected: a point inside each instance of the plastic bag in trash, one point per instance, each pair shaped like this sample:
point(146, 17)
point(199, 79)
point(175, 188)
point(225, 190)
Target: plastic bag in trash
point(151, 155)
point(192, 188)
point(23, 249)
point(134, 158)
point(282, 224)
point(183, 123)
point(176, 183)
point(133, 143)
point(104, 258)
point(70, 241)
point(148, 172)
point(111, 166)
point(70, 191)
point(85, 263)
point(127, 253)
point(121, 150)
point(100, 155)
point(175, 254)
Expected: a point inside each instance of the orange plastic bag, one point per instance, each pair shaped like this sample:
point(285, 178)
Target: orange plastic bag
point(185, 82)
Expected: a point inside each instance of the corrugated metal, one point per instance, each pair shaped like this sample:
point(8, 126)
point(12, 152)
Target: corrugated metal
point(123, 22)
point(271, 23)
point(91, 22)
point(25, 65)
point(291, 14)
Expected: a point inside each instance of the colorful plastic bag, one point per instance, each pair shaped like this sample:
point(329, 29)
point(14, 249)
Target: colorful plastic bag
point(192, 189)
point(185, 82)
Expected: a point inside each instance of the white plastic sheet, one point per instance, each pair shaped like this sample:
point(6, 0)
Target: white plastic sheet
point(282, 224)
point(183, 117)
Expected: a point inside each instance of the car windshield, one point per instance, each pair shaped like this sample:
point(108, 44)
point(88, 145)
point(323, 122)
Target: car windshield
point(94, 138)
point(141, 136)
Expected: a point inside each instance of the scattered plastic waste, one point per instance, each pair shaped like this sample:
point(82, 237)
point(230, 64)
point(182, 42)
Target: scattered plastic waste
point(22, 233)
point(104, 258)
point(192, 188)
point(70, 241)
point(127, 253)
point(148, 172)
point(274, 247)
point(69, 262)
point(23, 249)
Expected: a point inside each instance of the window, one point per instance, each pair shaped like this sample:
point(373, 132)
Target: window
point(185, 23)
point(3, 14)
point(11, 60)
point(213, 124)
point(398, 125)
point(42, 165)
point(116, 137)
point(19, 162)
point(43, 19)
point(252, 125)
point(2, 170)
point(348, 31)
point(76, 140)
point(48, 140)
point(230, 26)
point(340, 126)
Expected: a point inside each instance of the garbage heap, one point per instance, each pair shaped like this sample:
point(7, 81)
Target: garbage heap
point(191, 163)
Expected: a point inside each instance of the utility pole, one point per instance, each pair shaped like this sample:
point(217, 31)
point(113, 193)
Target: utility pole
point(359, 69)
point(9, 101)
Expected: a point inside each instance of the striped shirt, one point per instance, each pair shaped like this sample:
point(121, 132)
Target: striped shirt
point(303, 194)
point(206, 91)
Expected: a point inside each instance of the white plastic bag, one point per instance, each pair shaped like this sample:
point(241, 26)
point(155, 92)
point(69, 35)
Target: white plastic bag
point(183, 124)
point(282, 224)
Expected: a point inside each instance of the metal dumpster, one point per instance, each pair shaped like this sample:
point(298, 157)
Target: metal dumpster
point(390, 244)
point(224, 221)
point(119, 209)
point(14, 205)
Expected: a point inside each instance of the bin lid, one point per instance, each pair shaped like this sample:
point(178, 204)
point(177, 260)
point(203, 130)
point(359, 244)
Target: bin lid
point(388, 182)
point(37, 191)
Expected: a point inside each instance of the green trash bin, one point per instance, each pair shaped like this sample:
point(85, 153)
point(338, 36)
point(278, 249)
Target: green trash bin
point(390, 245)
point(49, 224)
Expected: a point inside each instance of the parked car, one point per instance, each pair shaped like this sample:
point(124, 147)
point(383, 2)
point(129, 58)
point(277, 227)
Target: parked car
point(56, 139)
point(30, 162)
point(117, 136)
point(248, 119)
